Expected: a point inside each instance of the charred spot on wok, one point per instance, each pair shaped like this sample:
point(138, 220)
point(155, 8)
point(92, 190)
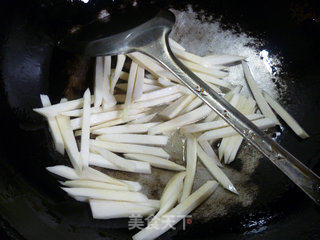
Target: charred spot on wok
point(80, 71)
point(236, 164)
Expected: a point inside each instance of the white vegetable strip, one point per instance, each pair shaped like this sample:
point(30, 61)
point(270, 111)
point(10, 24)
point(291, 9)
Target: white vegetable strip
point(191, 167)
point(85, 130)
point(79, 112)
point(53, 126)
point(170, 110)
point(154, 203)
point(238, 104)
point(210, 71)
point(123, 75)
point(150, 81)
point(139, 84)
point(223, 59)
point(155, 161)
point(156, 101)
point(216, 172)
point(101, 91)
point(56, 109)
point(98, 118)
point(63, 171)
point(131, 82)
point(233, 152)
point(151, 65)
point(63, 100)
point(175, 108)
point(150, 87)
point(230, 94)
point(45, 100)
point(144, 119)
point(181, 120)
point(263, 105)
point(117, 121)
point(129, 128)
point(131, 148)
point(200, 127)
point(249, 107)
point(234, 101)
point(236, 98)
point(95, 175)
point(159, 93)
point(170, 194)
point(108, 98)
point(292, 123)
point(69, 141)
point(80, 199)
point(205, 65)
point(121, 163)
point(183, 89)
point(130, 165)
point(177, 213)
point(165, 82)
point(146, 87)
point(196, 102)
point(116, 74)
point(212, 116)
point(78, 183)
point(189, 56)
point(229, 131)
point(134, 138)
point(92, 175)
point(205, 145)
point(226, 148)
point(113, 158)
point(224, 144)
point(103, 209)
point(107, 194)
point(133, 186)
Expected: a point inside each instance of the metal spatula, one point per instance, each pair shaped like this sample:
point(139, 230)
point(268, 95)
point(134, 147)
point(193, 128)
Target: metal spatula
point(147, 31)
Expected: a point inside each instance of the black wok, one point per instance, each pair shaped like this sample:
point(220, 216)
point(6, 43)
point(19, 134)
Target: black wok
point(31, 204)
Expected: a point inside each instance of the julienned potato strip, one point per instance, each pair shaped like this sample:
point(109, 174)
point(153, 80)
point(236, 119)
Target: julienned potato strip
point(128, 128)
point(107, 159)
point(105, 209)
point(179, 212)
point(156, 140)
point(125, 137)
point(190, 168)
point(90, 174)
point(85, 130)
point(53, 126)
point(155, 161)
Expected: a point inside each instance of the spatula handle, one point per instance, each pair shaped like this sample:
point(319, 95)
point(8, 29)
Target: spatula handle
point(301, 175)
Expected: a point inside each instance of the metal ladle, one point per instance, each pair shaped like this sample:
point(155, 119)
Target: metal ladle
point(147, 32)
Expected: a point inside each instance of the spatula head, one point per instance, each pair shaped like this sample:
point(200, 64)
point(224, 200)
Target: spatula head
point(114, 34)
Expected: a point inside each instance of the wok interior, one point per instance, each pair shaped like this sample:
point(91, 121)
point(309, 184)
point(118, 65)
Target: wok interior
point(27, 150)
